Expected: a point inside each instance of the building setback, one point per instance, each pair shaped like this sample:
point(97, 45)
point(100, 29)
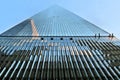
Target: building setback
point(56, 44)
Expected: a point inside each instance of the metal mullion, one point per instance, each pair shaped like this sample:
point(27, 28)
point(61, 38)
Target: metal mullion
point(39, 59)
point(26, 67)
point(11, 42)
point(39, 67)
point(69, 61)
point(22, 41)
point(81, 42)
point(67, 68)
point(104, 45)
point(87, 62)
point(30, 57)
point(6, 68)
point(110, 46)
point(48, 66)
point(1, 47)
point(113, 73)
point(6, 43)
point(34, 60)
point(17, 41)
point(104, 60)
point(87, 43)
point(87, 66)
point(103, 66)
point(2, 57)
point(110, 68)
point(9, 69)
point(92, 43)
point(53, 61)
point(100, 55)
point(8, 48)
point(99, 47)
point(116, 69)
point(57, 62)
point(62, 63)
point(15, 69)
point(59, 67)
point(72, 61)
point(17, 65)
point(7, 63)
point(90, 40)
point(77, 54)
point(114, 46)
point(17, 57)
point(2, 40)
point(12, 48)
point(96, 63)
point(46, 63)
point(98, 44)
point(29, 46)
point(43, 61)
point(114, 54)
point(86, 75)
point(93, 64)
point(4, 49)
point(107, 45)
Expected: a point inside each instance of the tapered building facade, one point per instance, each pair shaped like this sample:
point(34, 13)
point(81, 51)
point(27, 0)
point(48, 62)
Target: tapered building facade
point(56, 44)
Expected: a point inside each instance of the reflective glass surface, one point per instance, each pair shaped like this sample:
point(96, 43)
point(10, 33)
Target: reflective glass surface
point(55, 21)
point(56, 44)
point(59, 58)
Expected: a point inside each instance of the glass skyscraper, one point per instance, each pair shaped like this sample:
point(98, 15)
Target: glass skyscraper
point(56, 44)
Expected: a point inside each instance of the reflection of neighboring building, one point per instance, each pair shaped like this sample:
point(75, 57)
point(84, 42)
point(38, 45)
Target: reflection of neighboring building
point(57, 44)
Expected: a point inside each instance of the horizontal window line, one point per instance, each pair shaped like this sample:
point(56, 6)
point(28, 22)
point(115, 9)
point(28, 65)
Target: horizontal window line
point(57, 36)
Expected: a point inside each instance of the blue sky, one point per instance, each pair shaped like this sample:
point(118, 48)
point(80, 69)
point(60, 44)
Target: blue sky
point(103, 13)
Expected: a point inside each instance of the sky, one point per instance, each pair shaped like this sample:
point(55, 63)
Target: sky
point(103, 13)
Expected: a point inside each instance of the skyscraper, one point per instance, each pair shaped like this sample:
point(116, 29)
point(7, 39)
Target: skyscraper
point(56, 44)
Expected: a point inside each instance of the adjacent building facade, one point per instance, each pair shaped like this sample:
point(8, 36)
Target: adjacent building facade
point(56, 44)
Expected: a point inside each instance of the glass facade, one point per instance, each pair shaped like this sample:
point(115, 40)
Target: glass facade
point(56, 21)
point(56, 44)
